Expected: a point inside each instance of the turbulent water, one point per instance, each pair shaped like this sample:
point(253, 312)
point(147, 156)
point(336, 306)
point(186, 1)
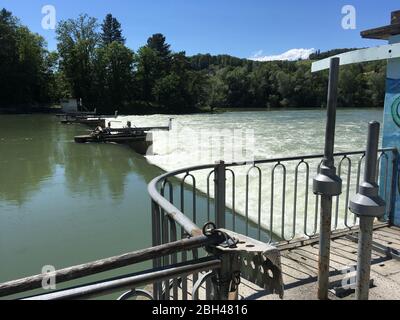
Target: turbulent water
point(245, 136)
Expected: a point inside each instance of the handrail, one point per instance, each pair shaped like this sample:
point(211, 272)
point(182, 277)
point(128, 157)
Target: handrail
point(111, 263)
point(190, 227)
point(307, 157)
point(133, 281)
point(174, 213)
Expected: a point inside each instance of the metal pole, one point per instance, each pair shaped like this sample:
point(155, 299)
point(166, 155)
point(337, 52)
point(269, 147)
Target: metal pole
point(220, 194)
point(227, 278)
point(368, 206)
point(371, 156)
point(327, 184)
point(364, 258)
point(156, 241)
point(366, 222)
point(331, 104)
point(324, 247)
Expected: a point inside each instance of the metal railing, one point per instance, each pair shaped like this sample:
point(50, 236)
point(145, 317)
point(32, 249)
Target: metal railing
point(189, 261)
point(280, 212)
point(216, 200)
point(131, 282)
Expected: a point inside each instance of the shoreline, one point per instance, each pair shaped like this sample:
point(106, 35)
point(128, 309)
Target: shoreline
point(54, 110)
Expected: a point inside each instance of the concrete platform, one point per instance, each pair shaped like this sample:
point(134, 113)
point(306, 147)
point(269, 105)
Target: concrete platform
point(300, 269)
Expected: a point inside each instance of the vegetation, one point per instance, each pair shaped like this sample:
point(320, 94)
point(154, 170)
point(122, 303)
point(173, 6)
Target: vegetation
point(27, 69)
point(93, 63)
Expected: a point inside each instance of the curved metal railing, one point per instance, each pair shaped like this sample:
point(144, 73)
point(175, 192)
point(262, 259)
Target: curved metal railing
point(179, 205)
point(161, 191)
point(181, 268)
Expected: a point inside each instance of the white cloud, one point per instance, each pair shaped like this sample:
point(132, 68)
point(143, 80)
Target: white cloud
point(290, 55)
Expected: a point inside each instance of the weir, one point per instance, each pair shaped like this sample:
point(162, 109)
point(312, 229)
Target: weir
point(231, 256)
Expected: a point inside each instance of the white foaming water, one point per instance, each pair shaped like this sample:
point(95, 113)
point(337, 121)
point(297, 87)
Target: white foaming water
point(207, 138)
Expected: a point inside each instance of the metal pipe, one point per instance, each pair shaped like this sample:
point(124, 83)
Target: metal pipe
point(371, 157)
point(364, 258)
point(331, 104)
point(324, 247)
point(327, 184)
point(368, 206)
point(220, 194)
point(156, 235)
point(142, 279)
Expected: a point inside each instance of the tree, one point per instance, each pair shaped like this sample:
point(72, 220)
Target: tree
point(158, 43)
point(77, 41)
point(114, 75)
point(31, 67)
point(149, 70)
point(181, 89)
point(26, 76)
point(106, 74)
point(8, 57)
point(217, 93)
point(111, 31)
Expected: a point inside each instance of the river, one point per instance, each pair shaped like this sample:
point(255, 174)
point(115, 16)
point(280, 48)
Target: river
point(63, 203)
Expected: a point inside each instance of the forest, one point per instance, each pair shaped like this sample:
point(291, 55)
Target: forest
point(93, 63)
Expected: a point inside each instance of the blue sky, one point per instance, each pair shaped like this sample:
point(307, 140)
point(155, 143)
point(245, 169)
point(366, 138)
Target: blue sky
point(237, 27)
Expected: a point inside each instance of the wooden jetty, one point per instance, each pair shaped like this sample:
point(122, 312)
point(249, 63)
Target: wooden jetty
point(77, 114)
point(89, 118)
point(89, 121)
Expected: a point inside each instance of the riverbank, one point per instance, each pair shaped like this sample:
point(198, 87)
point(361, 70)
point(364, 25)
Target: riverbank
point(29, 109)
point(156, 111)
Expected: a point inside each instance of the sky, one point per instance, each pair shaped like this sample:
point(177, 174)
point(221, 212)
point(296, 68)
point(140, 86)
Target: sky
point(257, 29)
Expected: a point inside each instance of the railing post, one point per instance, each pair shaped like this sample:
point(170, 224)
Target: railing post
point(367, 205)
point(220, 194)
point(327, 184)
point(227, 278)
point(156, 241)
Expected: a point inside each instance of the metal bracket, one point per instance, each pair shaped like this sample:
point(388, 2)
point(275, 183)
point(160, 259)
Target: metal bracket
point(259, 263)
point(380, 248)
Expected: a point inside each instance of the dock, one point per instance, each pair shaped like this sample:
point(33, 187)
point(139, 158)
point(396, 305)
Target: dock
point(299, 262)
point(90, 122)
